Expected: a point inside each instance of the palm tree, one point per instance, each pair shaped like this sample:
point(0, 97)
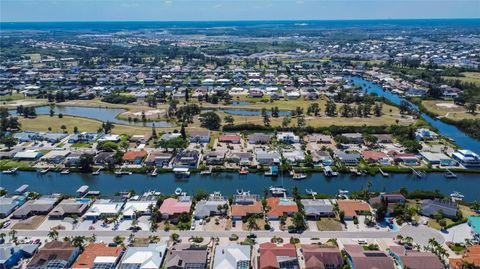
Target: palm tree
point(417, 247)
point(153, 239)
point(52, 234)
point(13, 236)
point(2, 237)
point(78, 241)
point(252, 223)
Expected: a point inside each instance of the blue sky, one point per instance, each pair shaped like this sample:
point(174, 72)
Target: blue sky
point(181, 10)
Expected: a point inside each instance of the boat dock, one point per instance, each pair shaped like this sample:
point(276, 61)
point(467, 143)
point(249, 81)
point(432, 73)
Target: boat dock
point(22, 189)
point(82, 190)
point(97, 172)
point(154, 173)
point(416, 173)
point(383, 173)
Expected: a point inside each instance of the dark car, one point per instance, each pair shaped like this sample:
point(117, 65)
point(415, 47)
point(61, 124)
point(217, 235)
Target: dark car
point(251, 235)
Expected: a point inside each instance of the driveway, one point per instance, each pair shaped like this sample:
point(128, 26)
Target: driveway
point(458, 234)
point(421, 234)
point(312, 225)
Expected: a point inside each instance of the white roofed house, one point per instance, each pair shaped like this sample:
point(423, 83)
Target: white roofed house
point(267, 158)
point(55, 156)
point(232, 257)
point(104, 208)
point(215, 204)
point(149, 257)
point(28, 155)
point(294, 157)
point(137, 208)
point(288, 137)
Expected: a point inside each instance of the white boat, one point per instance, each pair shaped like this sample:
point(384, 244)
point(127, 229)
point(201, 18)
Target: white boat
point(178, 191)
point(277, 190)
point(10, 171)
point(154, 173)
point(299, 176)
point(96, 173)
point(343, 193)
point(44, 171)
point(457, 196)
point(65, 172)
point(206, 172)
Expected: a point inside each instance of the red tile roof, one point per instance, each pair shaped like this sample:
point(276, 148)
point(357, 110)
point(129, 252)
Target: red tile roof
point(270, 251)
point(471, 255)
point(277, 208)
point(351, 207)
point(94, 250)
point(134, 154)
point(373, 155)
point(244, 210)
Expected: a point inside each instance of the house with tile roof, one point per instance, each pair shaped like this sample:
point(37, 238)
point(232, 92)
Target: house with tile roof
point(134, 156)
point(471, 256)
point(322, 257)
point(281, 206)
point(353, 208)
point(98, 256)
point(186, 256)
point(244, 205)
point(277, 257)
point(407, 258)
point(359, 258)
point(54, 255)
point(173, 206)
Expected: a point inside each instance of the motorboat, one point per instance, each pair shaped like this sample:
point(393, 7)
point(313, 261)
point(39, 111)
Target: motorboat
point(178, 191)
point(154, 173)
point(272, 172)
point(65, 172)
point(206, 172)
point(10, 171)
point(44, 171)
point(456, 196)
point(299, 176)
point(277, 191)
point(181, 172)
point(243, 171)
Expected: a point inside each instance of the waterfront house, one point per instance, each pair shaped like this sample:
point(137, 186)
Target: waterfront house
point(41, 206)
point(321, 157)
point(241, 158)
point(425, 134)
point(322, 257)
point(199, 136)
point(149, 257)
point(273, 256)
point(103, 158)
point(98, 255)
point(134, 156)
point(471, 255)
point(9, 204)
point(436, 158)
point(259, 138)
point(54, 255)
point(233, 256)
point(186, 256)
point(288, 137)
point(229, 138)
point(28, 155)
point(135, 208)
point(384, 138)
point(174, 206)
point(408, 159)
point(353, 208)
point(412, 259)
point(349, 159)
point(215, 204)
point(267, 158)
point(27, 136)
point(244, 205)
point(281, 207)
point(367, 259)
point(55, 156)
point(294, 157)
point(69, 207)
point(186, 159)
point(158, 158)
point(215, 157)
point(104, 208)
point(448, 208)
point(375, 157)
point(316, 208)
point(11, 255)
point(467, 158)
point(391, 199)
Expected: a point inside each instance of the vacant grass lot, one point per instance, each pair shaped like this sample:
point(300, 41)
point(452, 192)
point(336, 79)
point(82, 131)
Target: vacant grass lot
point(42, 122)
point(469, 77)
point(31, 223)
point(454, 113)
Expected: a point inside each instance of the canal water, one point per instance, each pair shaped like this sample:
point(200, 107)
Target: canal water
point(228, 183)
point(447, 130)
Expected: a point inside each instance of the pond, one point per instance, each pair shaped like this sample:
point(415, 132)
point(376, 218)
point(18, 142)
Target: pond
point(96, 113)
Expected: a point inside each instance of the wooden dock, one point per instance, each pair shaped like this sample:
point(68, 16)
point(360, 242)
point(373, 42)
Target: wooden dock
point(383, 173)
point(418, 174)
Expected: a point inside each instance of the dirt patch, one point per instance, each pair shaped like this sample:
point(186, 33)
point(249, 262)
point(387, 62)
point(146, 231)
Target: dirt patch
point(447, 105)
point(329, 224)
point(31, 223)
point(260, 225)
